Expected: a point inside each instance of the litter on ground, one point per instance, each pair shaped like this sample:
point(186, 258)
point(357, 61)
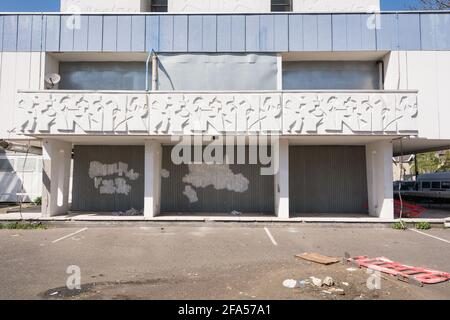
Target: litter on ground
point(290, 283)
point(316, 281)
point(415, 275)
point(328, 281)
point(318, 258)
point(129, 213)
point(338, 291)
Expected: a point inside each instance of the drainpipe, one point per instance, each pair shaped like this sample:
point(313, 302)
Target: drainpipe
point(152, 55)
point(146, 70)
point(154, 72)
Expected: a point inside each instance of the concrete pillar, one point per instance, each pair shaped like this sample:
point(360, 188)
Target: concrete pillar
point(152, 190)
point(56, 158)
point(281, 179)
point(379, 179)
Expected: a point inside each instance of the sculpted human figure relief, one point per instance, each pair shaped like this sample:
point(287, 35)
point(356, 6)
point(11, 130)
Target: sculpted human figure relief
point(302, 113)
point(187, 114)
point(270, 113)
point(383, 113)
point(27, 108)
point(168, 114)
point(136, 114)
point(407, 108)
point(205, 113)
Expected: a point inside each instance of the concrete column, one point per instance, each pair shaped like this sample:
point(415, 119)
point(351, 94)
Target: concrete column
point(379, 179)
point(152, 190)
point(56, 158)
point(281, 179)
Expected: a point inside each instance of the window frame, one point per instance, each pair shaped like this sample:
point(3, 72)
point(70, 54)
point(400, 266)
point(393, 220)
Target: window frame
point(289, 4)
point(435, 185)
point(153, 5)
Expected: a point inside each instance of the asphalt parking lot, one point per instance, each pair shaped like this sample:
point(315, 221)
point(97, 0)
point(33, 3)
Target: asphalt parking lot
point(211, 261)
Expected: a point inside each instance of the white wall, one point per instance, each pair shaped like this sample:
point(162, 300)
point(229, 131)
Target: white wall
point(264, 5)
point(104, 5)
point(18, 71)
point(56, 161)
point(152, 188)
point(379, 179)
point(336, 5)
point(28, 177)
point(219, 6)
point(428, 72)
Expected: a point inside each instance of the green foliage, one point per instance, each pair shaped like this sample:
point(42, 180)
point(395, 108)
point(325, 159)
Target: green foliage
point(22, 226)
point(432, 162)
point(399, 226)
point(423, 226)
point(38, 201)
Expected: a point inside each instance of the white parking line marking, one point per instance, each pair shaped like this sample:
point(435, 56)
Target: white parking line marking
point(69, 235)
point(271, 237)
point(429, 235)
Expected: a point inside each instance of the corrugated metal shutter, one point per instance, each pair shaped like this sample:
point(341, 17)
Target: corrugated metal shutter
point(257, 199)
point(327, 179)
point(87, 197)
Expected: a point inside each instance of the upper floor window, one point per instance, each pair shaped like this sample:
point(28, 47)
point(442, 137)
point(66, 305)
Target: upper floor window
point(281, 5)
point(158, 6)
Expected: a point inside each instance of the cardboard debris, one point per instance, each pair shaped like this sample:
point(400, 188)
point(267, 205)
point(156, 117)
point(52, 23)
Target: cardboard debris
point(318, 258)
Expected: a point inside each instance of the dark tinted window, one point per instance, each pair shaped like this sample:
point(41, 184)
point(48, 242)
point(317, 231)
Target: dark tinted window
point(281, 5)
point(330, 75)
point(436, 185)
point(426, 185)
point(102, 75)
point(445, 185)
point(158, 6)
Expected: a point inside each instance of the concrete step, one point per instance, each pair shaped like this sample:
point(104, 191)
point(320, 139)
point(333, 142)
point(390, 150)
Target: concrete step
point(447, 223)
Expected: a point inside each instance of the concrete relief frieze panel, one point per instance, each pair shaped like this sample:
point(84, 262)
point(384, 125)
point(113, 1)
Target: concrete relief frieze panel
point(289, 113)
point(55, 113)
point(321, 113)
point(214, 114)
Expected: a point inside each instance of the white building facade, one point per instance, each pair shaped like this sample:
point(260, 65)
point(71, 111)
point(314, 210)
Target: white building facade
point(197, 107)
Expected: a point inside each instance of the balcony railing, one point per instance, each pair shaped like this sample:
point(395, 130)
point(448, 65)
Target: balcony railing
point(213, 113)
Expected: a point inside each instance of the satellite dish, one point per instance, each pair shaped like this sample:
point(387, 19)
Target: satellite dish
point(52, 79)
